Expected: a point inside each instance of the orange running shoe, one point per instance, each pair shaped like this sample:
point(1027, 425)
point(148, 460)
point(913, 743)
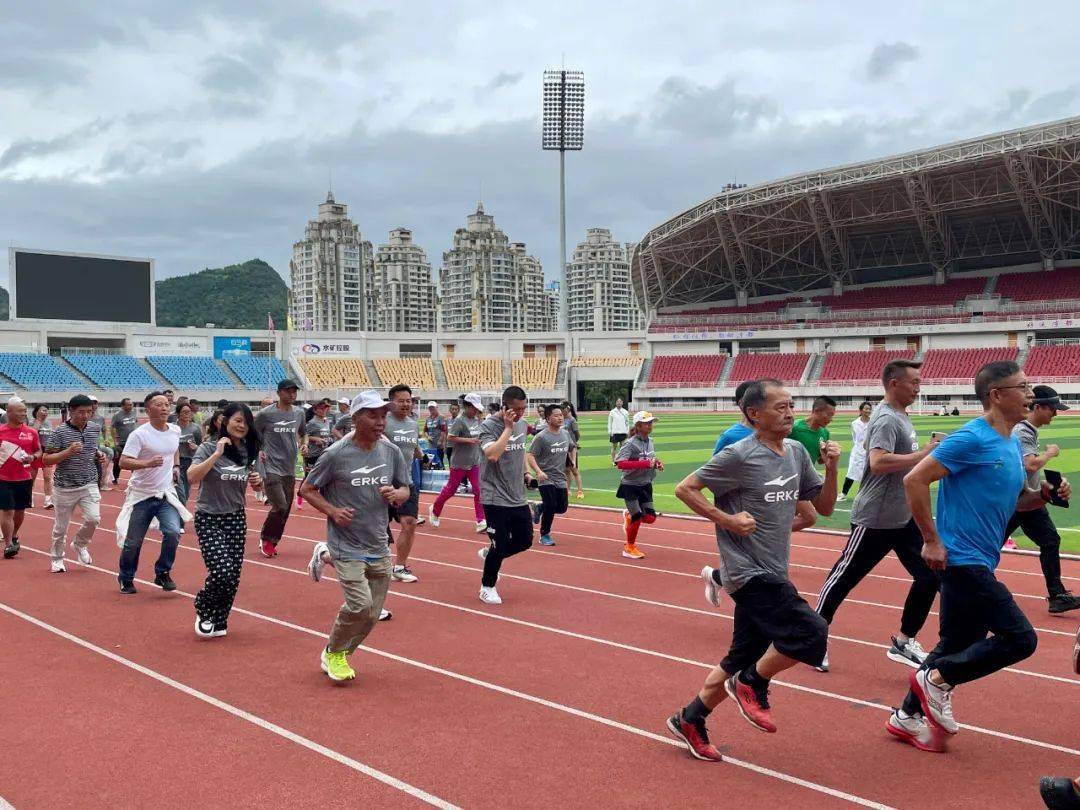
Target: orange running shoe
point(633, 552)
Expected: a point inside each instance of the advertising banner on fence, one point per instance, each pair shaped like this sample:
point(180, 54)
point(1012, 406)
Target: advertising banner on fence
point(231, 346)
point(150, 345)
point(326, 348)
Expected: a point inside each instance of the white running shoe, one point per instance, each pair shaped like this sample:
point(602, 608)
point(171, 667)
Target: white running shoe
point(401, 573)
point(483, 552)
point(490, 596)
point(824, 665)
point(82, 553)
point(914, 731)
point(420, 521)
point(48, 502)
point(934, 699)
point(481, 527)
point(909, 652)
point(841, 498)
point(57, 567)
point(317, 563)
point(386, 615)
point(712, 590)
point(433, 519)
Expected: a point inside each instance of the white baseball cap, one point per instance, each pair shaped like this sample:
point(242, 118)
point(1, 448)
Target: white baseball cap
point(93, 398)
point(344, 401)
point(643, 416)
point(474, 400)
point(433, 404)
point(367, 400)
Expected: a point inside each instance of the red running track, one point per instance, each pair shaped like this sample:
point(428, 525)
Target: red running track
point(557, 697)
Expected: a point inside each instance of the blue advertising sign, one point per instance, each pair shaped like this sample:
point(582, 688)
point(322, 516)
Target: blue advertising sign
point(231, 346)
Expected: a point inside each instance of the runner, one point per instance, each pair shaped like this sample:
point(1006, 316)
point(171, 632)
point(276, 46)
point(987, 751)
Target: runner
point(502, 488)
point(319, 432)
point(757, 483)
point(152, 455)
point(120, 426)
point(618, 425)
point(982, 477)
point(857, 459)
point(570, 425)
point(282, 431)
point(44, 429)
point(464, 439)
point(224, 468)
point(1037, 523)
point(547, 455)
point(741, 429)
point(435, 431)
point(20, 448)
point(191, 436)
point(639, 464)
point(73, 448)
point(403, 433)
point(352, 484)
point(812, 432)
point(881, 519)
point(107, 454)
point(455, 412)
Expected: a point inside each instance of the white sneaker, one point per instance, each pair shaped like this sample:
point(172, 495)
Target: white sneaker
point(936, 701)
point(317, 563)
point(401, 573)
point(914, 731)
point(57, 567)
point(433, 519)
point(48, 502)
point(841, 497)
point(420, 521)
point(824, 665)
point(712, 590)
point(483, 552)
point(909, 652)
point(481, 527)
point(490, 596)
point(385, 615)
point(82, 553)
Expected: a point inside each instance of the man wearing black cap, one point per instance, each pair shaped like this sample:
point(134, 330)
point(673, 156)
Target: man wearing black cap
point(282, 427)
point(1037, 524)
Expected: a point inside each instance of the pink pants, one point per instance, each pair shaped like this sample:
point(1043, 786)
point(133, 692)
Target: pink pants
point(456, 477)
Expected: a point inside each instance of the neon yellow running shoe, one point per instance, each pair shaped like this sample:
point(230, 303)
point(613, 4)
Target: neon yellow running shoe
point(336, 665)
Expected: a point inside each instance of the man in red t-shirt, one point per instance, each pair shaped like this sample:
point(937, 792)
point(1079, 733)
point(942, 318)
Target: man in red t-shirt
point(19, 448)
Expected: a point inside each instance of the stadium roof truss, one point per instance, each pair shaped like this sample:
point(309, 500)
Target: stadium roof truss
point(1012, 197)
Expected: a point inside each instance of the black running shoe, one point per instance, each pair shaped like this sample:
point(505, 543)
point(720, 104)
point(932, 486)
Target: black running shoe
point(1059, 793)
point(126, 586)
point(1058, 604)
point(12, 548)
point(165, 582)
point(538, 511)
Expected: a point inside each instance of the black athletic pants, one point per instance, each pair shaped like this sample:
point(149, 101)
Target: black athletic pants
point(510, 529)
point(973, 604)
point(867, 547)
point(555, 502)
point(1040, 530)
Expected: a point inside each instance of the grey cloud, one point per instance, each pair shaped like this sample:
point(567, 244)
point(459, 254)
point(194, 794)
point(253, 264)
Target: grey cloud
point(34, 147)
point(504, 79)
point(887, 57)
point(709, 111)
point(231, 74)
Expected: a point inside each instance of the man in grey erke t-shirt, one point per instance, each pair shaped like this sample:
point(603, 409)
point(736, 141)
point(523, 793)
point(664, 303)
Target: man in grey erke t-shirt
point(281, 427)
point(404, 433)
point(549, 451)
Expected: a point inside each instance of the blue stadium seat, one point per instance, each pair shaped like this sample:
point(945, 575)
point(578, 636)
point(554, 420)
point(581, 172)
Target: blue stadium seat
point(112, 370)
point(190, 372)
point(37, 371)
point(257, 372)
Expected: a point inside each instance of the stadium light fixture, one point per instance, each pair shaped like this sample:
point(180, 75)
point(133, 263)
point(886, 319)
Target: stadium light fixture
point(563, 130)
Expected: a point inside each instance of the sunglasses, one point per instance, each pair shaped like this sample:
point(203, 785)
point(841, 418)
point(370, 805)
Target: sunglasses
point(1022, 386)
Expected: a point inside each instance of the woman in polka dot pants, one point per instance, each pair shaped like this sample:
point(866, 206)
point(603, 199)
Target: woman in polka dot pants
point(225, 469)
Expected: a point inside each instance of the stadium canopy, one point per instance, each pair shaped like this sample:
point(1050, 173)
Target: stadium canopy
point(1002, 199)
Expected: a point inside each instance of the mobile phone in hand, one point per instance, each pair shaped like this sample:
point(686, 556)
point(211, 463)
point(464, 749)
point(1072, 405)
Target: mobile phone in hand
point(1053, 478)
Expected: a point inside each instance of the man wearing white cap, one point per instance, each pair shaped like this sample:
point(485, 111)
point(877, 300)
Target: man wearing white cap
point(464, 438)
point(638, 462)
point(353, 484)
point(435, 430)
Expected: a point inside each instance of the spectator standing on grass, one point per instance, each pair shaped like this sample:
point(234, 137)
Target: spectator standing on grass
point(618, 426)
point(857, 459)
point(73, 449)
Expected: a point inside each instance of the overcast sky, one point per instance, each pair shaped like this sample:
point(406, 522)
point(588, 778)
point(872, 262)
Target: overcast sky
point(202, 133)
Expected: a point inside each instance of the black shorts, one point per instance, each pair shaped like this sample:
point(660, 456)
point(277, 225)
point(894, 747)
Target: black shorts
point(769, 611)
point(634, 492)
point(617, 438)
point(17, 495)
point(411, 507)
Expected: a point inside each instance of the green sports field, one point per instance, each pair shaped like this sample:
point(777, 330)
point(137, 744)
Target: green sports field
point(684, 441)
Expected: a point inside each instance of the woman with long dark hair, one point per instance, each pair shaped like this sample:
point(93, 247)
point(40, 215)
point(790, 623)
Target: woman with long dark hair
point(226, 469)
point(190, 439)
point(212, 427)
point(40, 423)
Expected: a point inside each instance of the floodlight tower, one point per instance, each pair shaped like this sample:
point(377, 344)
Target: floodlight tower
point(564, 129)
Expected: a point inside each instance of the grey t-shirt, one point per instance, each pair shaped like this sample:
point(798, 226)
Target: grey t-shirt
point(319, 429)
point(749, 477)
point(122, 425)
point(502, 482)
point(570, 425)
point(349, 476)
point(194, 433)
point(550, 449)
point(1028, 435)
point(99, 420)
point(404, 434)
point(636, 449)
point(465, 456)
point(222, 491)
point(280, 431)
point(881, 502)
point(343, 423)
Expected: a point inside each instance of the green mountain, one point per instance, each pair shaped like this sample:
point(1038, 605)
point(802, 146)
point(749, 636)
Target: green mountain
point(233, 297)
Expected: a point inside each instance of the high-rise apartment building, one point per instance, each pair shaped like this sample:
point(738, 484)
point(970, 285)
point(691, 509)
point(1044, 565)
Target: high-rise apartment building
point(404, 288)
point(331, 272)
point(600, 297)
point(490, 284)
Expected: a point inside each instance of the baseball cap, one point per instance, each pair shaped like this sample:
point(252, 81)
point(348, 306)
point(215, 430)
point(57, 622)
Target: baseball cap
point(367, 400)
point(93, 398)
point(474, 400)
point(344, 401)
point(1045, 395)
point(433, 404)
point(288, 383)
point(643, 416)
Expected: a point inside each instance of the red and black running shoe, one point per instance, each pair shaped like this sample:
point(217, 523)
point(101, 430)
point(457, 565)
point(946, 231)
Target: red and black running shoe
point(753, 703)
point(694, 736)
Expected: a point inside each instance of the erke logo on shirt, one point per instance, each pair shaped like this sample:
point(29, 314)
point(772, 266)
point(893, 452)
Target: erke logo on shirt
point(786, 495)
point(515, 445)
point(284, 426)
point(234, 472)
point(379, 480)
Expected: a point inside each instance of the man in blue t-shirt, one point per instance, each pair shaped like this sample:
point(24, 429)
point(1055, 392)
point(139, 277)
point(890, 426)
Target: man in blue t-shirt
point(982, 483)
point(741, 429)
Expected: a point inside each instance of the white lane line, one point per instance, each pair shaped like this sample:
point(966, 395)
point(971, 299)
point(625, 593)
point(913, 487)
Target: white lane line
point(5, 804)
point(560, 707)
point(246, 716)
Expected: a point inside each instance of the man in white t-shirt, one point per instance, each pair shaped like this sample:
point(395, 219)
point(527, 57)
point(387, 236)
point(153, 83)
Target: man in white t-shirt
point(151, 453)
point(618, 425)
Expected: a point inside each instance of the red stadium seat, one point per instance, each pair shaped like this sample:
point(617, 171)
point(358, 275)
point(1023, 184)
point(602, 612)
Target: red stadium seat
point(701, 370)
point(1052, 362)
point(1059, 285)
point(961, 364)
point(787, 368)
point(843, 366)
